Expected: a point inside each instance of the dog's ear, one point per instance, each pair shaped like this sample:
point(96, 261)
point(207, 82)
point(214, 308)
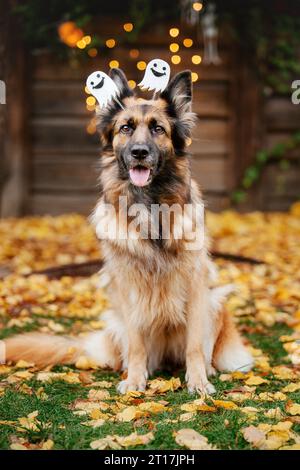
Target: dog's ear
point(119, 77)
point(105, 116)
point(178, 96)
point(178, 93)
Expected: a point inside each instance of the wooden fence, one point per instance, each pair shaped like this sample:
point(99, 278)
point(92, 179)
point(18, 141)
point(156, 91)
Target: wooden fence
point(53, 159)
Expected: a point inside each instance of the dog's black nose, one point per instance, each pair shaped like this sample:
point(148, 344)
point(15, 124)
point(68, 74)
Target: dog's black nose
point(140, 151)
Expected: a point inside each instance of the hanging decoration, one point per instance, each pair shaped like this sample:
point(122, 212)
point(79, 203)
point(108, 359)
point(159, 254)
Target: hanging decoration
point(103, 88)
point(156, 76)
point(210, 35)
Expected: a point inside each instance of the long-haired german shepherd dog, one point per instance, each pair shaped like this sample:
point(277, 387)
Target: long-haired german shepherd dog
point(164, 309)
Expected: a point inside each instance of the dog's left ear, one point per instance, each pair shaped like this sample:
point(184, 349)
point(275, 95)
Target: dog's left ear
point(178, 96)
point(119, 77)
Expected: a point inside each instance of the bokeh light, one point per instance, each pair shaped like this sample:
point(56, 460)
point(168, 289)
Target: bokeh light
point(92, 52)
point(90, 101)
point(174, 32)
point(141, 65)
point(176, 59)
point(195, 76)
point(134, 53)
point(110, 43)
point(128, 27)
point(132, 83)
point(197, 6)
point(188, 42)
point(174, 47)
point(196, 59)
point(114, 64)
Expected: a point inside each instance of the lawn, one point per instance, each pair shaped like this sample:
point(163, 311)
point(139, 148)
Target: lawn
point(78, 407)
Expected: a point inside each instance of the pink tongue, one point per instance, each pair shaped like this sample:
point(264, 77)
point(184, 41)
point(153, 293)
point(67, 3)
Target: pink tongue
point(139, 176)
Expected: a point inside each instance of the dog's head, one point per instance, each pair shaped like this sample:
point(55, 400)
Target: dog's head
point(147, 135)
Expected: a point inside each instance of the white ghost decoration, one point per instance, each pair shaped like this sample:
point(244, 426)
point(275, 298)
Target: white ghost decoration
point(102, 87)
point(156, 76)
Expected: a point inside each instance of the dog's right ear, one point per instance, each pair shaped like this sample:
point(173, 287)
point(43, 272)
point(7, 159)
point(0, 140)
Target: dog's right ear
point(105, 116)
point(119, 77)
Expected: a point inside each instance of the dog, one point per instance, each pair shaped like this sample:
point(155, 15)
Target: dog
point(164, 309)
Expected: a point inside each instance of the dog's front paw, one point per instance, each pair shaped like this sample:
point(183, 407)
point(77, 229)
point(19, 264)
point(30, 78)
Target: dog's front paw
point(130, 385)
point(196, 385)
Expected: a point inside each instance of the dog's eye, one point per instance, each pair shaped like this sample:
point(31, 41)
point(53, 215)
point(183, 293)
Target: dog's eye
point(158, 130)
point(125, 129)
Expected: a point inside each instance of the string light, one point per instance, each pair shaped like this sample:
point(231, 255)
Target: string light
point(195, 76)
point(174, 32)
point(87, 39)
point(90, 101)
point(134, 53)
point(197, 6)
point(92, 52)
point(132, 83)
point(196, 59)
point(141, 65)
point(114, 64)
point(128, 27)
point(174, 47)
point(187, 42)
point(176, 59)
point(91, 127)
point(110, 43)
point(81, 44)
point(87, 90)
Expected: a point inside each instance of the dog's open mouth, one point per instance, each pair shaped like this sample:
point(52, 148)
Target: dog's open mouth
point(139, 175)
point(156, 73)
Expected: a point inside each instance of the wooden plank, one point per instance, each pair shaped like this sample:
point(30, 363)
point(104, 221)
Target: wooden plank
point(62, 135)
point(65, 174)
point(216, 201)
point(63, 98)
point(210, 173)
point(210, 137)
point(59, 203)
point(211, 99)
point(17, 151)
point(282, 115)
point(47, 67)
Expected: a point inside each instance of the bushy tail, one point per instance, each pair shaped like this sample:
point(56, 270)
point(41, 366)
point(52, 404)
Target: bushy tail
point(43, 349)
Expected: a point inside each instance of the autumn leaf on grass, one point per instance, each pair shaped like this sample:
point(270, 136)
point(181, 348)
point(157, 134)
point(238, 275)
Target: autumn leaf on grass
point(152, 407)
point(197, 405)
point(293, 408)
point(291, 388)
point(163, 386)
point(269, 437)
point(256, 380)
point(19, 443)
point(227, 405)
point(254, 436)
point(95, 395)
point(69, 377)
point(271, 396)
point(23, 364)
point(129, 414)
point(285, 373)
point(117, 442)
point(192, 440)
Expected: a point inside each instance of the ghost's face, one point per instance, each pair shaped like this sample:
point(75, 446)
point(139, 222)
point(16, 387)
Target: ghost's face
point(156, 76)
point(102, 87)
point(96, 81)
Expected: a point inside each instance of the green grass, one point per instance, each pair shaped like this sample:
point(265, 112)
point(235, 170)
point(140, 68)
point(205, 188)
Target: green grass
point(61, 425)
